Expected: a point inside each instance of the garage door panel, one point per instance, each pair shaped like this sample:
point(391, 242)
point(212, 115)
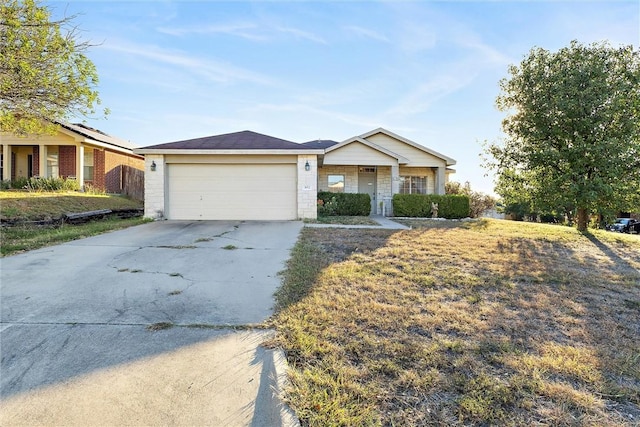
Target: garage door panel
point(232, 191)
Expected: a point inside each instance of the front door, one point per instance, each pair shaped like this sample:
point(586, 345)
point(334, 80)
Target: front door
point(29, 165)
point(367, 184)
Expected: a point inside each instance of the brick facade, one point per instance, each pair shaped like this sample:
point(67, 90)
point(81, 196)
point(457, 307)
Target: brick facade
point(36, 161)
point(107, 169)
point(67, 161)
point(98, 169)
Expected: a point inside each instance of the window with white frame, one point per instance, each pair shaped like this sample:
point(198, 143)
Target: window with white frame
point(52, 162)
point(413, 185)
point(335, 183)
point(88, 164)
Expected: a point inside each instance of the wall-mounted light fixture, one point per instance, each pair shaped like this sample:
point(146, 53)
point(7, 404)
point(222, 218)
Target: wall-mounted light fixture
point(307, 166)
point(153, 166)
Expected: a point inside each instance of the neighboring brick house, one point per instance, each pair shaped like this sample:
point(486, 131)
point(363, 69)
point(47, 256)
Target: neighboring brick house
point(75, 151)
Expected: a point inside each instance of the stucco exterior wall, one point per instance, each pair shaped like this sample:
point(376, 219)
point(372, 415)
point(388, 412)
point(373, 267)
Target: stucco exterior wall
point(20, 168)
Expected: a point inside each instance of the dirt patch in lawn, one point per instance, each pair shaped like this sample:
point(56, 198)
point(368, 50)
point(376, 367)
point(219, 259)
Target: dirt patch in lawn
point(476, 323)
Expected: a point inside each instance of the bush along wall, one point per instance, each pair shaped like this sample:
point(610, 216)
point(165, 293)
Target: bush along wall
point(41, 184)
point(451, 206)
point(347, 204)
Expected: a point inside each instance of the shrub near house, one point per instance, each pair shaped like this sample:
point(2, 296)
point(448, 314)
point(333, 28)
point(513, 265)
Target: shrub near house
point(346, 204)
point(451, 206)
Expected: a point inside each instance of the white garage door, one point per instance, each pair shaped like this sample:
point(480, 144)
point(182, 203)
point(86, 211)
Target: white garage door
point(232, 191)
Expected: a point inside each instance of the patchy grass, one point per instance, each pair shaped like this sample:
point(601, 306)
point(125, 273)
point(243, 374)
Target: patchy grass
point(463, 323)
point(38, 206)
point(230, 247)
point(343, 220)
point(25, 238)
point(17, 206)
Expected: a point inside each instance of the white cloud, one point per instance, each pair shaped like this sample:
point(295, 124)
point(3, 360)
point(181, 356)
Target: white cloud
point(243, 30)
point(421, 97)
point(301, 34)
point(215, 71)
point(488, 54)
point(366, 33)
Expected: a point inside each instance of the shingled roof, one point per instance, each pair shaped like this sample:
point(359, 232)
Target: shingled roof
point(96, 135)
point(320, 143)
point(244, 140)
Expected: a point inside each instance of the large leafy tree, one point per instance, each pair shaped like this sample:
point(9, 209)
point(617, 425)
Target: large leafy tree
point(44, 73)
point(572, 130)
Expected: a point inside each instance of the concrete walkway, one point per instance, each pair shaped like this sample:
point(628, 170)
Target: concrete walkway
point(384, 223)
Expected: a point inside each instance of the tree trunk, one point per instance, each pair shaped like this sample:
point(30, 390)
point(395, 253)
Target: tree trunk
point(582, 219)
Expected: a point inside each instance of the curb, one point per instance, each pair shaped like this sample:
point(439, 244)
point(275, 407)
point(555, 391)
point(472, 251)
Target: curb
point(280, 382)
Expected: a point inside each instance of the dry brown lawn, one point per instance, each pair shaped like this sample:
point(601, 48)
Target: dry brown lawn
point(463, 323)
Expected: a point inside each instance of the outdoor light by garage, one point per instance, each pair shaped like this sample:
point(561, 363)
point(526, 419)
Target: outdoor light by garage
point(153, 166)
point(307, 166)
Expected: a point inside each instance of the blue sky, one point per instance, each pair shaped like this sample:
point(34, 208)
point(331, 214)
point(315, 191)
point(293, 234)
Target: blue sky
point(298, 70)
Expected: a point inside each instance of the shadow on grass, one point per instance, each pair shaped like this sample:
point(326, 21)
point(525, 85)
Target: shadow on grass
point(614, 257)
point(315, 250)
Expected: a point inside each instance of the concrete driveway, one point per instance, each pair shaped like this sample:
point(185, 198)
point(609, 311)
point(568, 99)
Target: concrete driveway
point(76, 342)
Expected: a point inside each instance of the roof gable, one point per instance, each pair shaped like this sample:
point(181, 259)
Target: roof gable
point(372, 136)
point(369, 144)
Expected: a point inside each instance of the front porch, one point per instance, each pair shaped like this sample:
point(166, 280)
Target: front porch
point(381, 182)
point(47, 161)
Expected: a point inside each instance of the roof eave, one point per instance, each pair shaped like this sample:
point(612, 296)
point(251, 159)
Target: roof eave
point(258, 152)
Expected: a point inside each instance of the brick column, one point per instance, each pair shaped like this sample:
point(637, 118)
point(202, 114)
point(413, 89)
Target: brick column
point(307, 187)
point(154, 187)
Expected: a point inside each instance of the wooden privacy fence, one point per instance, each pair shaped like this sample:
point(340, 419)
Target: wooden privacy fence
point(133, 182)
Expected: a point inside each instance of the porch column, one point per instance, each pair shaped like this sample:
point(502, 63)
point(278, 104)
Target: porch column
point(440, 180)
point(395, 179)
point(395, 189)
point(43, 160)
point(6, 161)
point(80, 166)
